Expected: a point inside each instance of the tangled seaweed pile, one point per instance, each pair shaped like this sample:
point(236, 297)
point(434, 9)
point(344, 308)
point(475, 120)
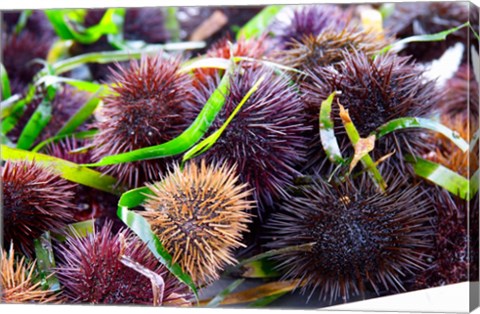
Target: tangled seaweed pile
point(149, 153)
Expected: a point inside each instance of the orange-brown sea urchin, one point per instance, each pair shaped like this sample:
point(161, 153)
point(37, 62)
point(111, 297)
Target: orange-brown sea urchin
point(17, 282)
point(328, 47)
point(199, 215)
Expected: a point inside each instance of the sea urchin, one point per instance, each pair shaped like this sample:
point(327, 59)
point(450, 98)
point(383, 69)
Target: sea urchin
point(149, 108)
point(18, 283)
point(358, 237)
point(199, 215)
point(374, 92)
point(35, 200)
point(265, 137)
point(309, 20)
point(91, 270)
point(329, 47)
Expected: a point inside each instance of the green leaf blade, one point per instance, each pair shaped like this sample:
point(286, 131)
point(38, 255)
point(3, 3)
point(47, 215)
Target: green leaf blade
point(80, 116)
point(62, 25)
point(399, 45)
point(366, 160)
point(56, 18)
point(16, 110)
point(258, 24)
point(224, 293)
point(207, 143)
point(142, 229)
point(327, 134)
point(35, 125)
point(77, 135)
point(422, 123)
point(66, 169)
point(441, 176)
point(46, 262)
point(5, 83)
point(262, 302)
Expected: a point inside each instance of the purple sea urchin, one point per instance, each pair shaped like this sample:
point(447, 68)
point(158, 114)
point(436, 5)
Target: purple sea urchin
point(90, 269)
point(152, 106)
point(147, 24)
point(265, 138)
point(66, 103)
point(309, 20)
point(66, 149)
point(355, 238)
point(34, 201)
point(462, 94)
point(90, 203)
point(448, 257)
point(251, 48)
point(18, 56)
point(199, 214)
point(17, 284)
point(374, 92)
point(37, 23)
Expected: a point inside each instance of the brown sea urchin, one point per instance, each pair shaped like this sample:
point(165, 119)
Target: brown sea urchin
point(150, 107)
point(359, 239)
point(199, 215)
point(329, 47)
point(18, 284)
point(91, 270)
point(35, 200)
point(448, 154)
